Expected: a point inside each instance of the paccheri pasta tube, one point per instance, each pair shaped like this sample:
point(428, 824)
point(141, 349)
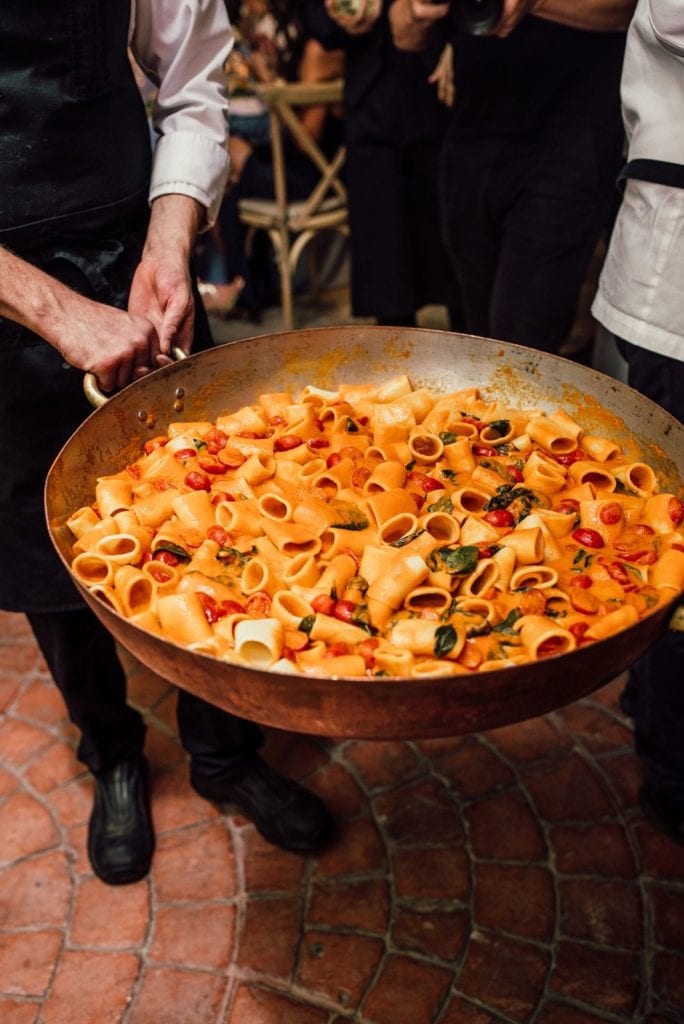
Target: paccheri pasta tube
point(381, 531)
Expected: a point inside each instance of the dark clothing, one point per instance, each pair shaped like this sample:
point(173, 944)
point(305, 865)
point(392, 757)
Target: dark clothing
point(654, 692)
point(542, 73)
point(527, 183)
point(521, 217)
point(394, 126)
point(75, 164)
point(74, 143)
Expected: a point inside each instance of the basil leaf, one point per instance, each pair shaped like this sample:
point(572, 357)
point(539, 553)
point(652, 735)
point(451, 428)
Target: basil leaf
point(455, 561)
point(307, 623)
point(507, 625)
point(350, 426)
point(443, 504)
point(445, 639)
point(173, 549)
point(406, 539)
point(350, 519)
point(502, 427)
point(231, 556)
point(198, 444)
point(446, 437)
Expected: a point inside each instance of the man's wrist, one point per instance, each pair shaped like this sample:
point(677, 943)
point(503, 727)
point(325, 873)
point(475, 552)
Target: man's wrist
point(410, 31)
point(175, 221)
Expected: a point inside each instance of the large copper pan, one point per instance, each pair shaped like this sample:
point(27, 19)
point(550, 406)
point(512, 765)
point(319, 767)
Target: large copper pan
point(207, 384)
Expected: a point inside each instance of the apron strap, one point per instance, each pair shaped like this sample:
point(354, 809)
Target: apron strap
point(660, 172)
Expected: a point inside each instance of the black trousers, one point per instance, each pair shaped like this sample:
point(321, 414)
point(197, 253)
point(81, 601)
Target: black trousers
point(81, 656)
point(521, 216)
point(655, 690)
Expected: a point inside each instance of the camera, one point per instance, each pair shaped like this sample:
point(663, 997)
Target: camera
point(476, 17)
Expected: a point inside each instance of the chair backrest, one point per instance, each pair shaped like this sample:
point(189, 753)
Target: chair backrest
point(283, 100)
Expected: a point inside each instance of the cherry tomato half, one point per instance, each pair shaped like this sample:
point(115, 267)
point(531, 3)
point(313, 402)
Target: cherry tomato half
point(287, 442)
point(567, 458)
point(345, 611)
point(218, 535)
point(183, 454)
point(587, 537)
point(500, 517)
point(610, 513)
point(166, 557)
point(425, 482)
point(210, 465)
point(197, 481)
point(323, 603)
point(675, 510)
point(154, 443)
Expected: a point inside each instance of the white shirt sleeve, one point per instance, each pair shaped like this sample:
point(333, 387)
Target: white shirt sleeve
point(182, 46)
point(667, 22)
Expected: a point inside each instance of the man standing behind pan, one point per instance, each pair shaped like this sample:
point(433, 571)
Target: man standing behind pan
point(93, 278)
point(531, 154)
point(641, 300)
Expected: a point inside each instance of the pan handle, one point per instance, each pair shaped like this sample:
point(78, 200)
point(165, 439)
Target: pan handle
point(98, 398)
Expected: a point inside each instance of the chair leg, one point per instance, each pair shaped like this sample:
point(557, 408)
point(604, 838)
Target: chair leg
point(286, 280)
point(314, 268)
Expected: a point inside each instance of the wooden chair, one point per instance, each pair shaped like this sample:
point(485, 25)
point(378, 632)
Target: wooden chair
point(292, 224)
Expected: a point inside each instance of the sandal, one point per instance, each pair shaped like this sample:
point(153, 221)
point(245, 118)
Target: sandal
point(221, 299)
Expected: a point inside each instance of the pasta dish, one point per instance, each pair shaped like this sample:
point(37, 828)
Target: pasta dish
point(381, 531)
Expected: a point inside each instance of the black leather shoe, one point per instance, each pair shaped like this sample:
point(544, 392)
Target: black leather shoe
point(285, 813)
point(120, 834)
point(661, 814)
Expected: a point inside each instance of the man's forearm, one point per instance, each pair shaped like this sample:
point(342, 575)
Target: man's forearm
point(32, 298)
point(414, 22)
point(590, 15)
point(174, 223)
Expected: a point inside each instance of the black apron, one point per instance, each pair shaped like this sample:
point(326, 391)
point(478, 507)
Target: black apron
point(74, 173)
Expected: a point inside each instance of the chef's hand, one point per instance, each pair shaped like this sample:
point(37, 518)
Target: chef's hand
point(361, 21)
point(513, 12)
point(89, 335)
point(114, 345)
point(161, 289)
point(412, 22)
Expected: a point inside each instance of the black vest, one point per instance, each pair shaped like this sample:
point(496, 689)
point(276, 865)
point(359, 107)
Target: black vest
point(74, 139)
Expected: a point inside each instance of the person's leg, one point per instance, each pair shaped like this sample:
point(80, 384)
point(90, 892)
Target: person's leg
point(469, 200)
point(225, 768)
point(654, 695)
point(82, 659)
point(382, 282)
point(549, 233)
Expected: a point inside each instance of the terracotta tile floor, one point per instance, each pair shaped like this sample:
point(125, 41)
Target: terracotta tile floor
point(498, 878)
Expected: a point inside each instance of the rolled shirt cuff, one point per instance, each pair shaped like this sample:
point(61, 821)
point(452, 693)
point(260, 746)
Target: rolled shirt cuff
point(189, 163)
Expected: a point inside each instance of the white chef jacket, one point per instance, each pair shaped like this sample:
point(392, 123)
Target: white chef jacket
point(641, 290)
point(182, 46)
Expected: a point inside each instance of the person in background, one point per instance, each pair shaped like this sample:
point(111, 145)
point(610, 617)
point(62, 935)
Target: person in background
point(96, 233)
point(295, 57)
point(394, 125)
point(640, 299)
point(530, 157)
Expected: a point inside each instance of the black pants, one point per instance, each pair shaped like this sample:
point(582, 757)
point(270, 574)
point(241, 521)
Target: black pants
point(655, 691)
point(81, 656)
point(521, 216)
